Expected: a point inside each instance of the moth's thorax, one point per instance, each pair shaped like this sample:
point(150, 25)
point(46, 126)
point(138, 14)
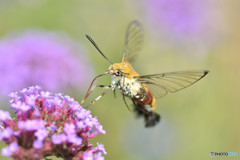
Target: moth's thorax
point(129, 87)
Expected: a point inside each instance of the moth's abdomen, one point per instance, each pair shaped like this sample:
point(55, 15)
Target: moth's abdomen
point(144, 98)
point(145, 106)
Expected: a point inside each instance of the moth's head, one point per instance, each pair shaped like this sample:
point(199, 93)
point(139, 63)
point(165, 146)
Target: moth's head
point(120, 69)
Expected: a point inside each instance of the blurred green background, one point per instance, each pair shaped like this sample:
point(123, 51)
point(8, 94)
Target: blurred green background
point(194, 122)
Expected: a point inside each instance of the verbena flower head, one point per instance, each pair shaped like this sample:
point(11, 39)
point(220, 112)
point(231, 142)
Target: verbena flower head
point(49, 124)
point(50, 59)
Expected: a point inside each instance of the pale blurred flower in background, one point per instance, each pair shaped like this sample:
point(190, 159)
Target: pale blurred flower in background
point(186, 24)
point(50, 59)
point(150, 143)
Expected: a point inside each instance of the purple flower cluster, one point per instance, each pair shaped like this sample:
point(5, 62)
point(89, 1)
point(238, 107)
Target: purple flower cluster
point(48, 124)
point(185, 22)
point(182, 17)
point(50, 59)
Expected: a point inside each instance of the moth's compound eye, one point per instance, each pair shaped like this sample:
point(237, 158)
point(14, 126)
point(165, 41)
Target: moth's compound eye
point(118, 73)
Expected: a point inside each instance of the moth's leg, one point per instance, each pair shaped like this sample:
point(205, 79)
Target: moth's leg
point(89, 89)
point(126, 102)
point(100, 86)
point(100, 96)
point(93, 88)
point(114, 93)
point(124, 95)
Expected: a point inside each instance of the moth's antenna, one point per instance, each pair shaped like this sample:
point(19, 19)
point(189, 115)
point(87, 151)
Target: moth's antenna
point(95, 45)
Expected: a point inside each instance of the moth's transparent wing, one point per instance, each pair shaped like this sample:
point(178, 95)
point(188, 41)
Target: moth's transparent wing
point(133, 41)
point(161, 84)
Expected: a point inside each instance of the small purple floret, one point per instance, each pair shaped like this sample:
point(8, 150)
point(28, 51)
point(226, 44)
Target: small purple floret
point(73, 138)
point(37, 144)
point(101, 148)
point(69, 128)
point(4, 115)
point(31, 124)
point(41, 134)
point(7, 133)
point(59, 138)
point(88, 155)
point(7, 151)
point(98, 156)
point(53, 127)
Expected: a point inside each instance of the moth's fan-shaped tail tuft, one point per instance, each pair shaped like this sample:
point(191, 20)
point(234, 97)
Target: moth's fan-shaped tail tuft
point(151, 118)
